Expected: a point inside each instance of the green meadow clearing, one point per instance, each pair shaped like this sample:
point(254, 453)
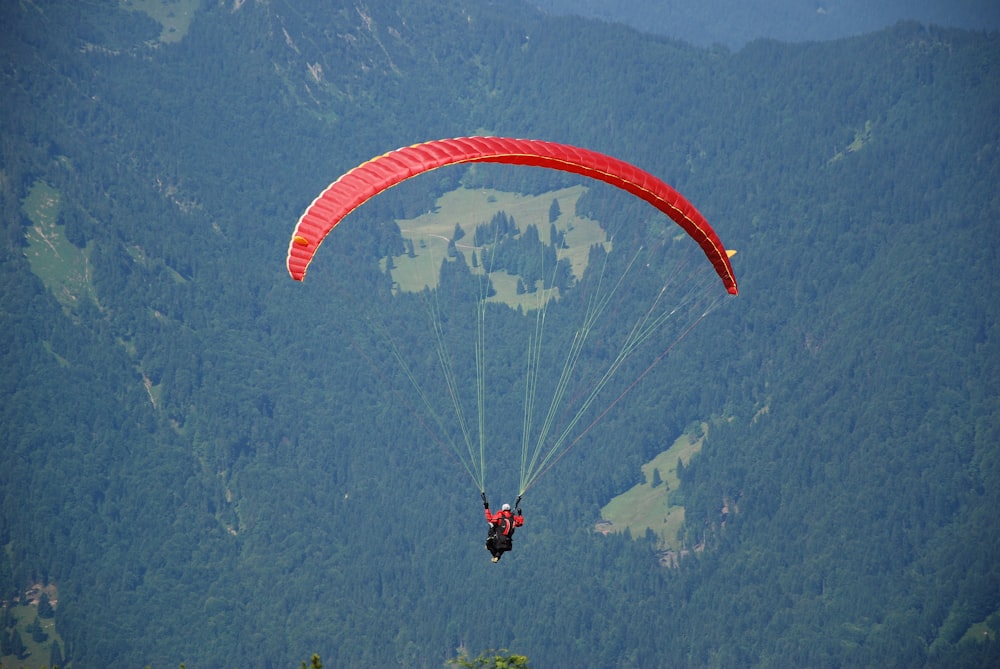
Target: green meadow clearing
point(62, 267)
point(646, 506)
point(173, 15)
point(468, 208)
point(37, 634)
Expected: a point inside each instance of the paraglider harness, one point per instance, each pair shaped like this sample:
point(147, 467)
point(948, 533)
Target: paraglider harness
point(502, 530)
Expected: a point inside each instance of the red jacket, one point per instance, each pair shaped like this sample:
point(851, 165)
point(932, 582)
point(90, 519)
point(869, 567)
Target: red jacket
point(495, 519)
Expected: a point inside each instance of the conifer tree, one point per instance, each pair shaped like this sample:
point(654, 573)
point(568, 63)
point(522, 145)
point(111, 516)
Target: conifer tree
point(45, 609)
point(38, 634)
point(55, 655)
point(554, 211)
point(17, 648)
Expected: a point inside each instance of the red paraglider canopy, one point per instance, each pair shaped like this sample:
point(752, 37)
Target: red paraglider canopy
point(369, 179)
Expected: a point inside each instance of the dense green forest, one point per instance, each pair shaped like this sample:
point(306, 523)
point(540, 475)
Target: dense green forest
point(204, 462)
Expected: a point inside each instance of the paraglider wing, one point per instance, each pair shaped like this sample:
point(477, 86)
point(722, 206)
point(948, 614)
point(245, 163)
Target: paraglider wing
point(368, 179)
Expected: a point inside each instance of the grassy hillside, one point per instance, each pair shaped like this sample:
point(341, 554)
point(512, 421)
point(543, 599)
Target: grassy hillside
point(432, 232)
point(62, 267)
point(650, 506)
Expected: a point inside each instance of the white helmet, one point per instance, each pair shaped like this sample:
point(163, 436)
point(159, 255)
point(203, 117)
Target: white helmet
point(505, 507)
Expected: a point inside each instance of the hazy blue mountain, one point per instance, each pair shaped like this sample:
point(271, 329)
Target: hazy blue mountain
point(736, 22)
point(205, 462)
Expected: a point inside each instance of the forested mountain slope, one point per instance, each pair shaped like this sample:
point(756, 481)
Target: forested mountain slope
point(197, 457)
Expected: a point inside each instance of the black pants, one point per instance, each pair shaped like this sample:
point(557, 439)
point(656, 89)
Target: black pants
point(498, 544)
